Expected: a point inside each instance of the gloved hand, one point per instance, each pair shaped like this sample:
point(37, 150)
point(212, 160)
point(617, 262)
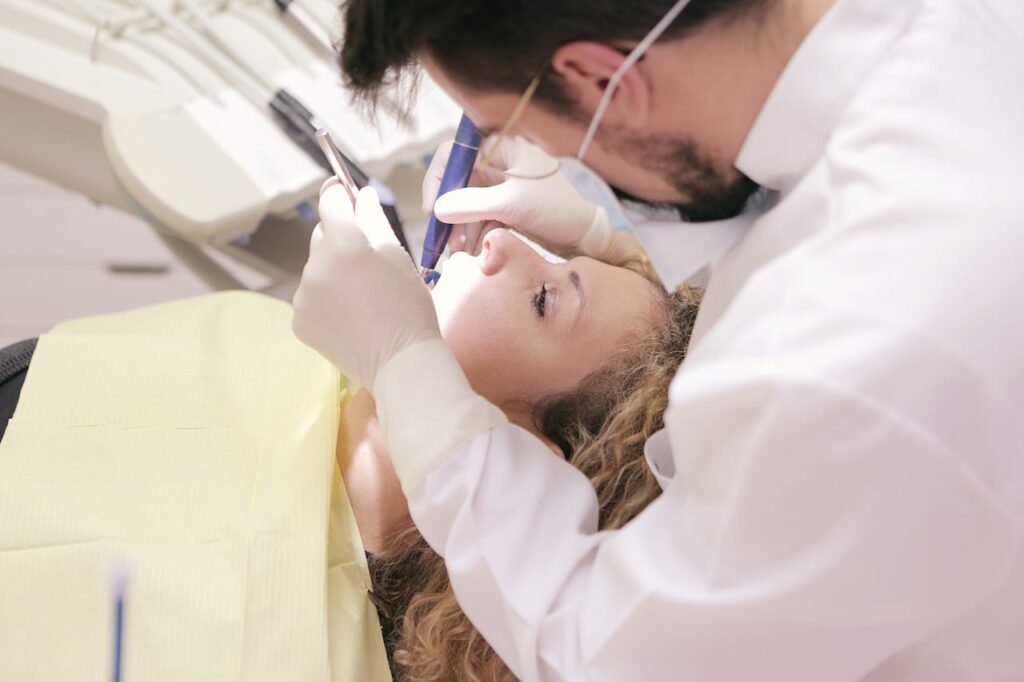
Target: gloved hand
point(362, 305)
point(531, 196)
point(361, 300)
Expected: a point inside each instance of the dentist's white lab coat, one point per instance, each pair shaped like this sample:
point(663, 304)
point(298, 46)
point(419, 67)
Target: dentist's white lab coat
point(845, 442)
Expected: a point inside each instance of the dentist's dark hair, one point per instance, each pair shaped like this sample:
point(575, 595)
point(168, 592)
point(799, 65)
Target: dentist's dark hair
point(489, 46)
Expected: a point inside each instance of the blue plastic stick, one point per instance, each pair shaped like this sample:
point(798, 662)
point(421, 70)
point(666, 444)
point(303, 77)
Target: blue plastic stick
point(456, 176)
point(120, 588)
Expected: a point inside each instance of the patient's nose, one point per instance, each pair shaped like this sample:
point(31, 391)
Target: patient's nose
point(499, 249)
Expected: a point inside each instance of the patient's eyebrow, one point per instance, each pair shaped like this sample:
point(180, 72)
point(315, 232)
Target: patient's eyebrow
point(574, 277)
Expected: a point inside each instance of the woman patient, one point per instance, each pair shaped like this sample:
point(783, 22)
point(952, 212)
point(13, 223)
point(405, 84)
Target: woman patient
point(580, 353)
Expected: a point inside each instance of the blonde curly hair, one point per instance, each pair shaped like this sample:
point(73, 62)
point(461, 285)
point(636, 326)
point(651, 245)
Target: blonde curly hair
point(601, 427)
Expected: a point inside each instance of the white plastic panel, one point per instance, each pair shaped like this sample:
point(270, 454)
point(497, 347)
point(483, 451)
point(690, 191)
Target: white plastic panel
point(171, 121)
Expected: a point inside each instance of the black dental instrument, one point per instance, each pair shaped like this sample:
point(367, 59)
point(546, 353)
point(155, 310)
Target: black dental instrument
point(300, 126)
point(338, 165)
point(295, 119)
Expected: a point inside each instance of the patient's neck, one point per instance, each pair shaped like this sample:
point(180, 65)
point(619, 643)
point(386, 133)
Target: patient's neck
point(373, 488)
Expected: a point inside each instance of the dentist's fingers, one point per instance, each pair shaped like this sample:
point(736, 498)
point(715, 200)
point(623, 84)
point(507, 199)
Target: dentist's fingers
point(474, 204)
point(374, 224)
point(469, 237)
point(519, 158)
point(338, 225)
point(335, 206)
point(316, 238)
point(333, 180)
point(371, 220)
point(432, 180)
point(475, 240)
point(480, 177)
point(459, 237)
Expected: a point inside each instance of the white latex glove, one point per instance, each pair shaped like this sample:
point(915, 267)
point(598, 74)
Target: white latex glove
point(362, 305)
point(360, 300)
point(531, 196)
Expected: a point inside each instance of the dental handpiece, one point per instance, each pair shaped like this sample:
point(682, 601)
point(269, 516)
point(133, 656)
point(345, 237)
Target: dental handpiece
point(337, 163)
point(456, 176)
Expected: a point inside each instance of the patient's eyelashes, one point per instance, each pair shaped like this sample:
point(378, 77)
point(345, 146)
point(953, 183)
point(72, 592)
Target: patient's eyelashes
point(540, 300)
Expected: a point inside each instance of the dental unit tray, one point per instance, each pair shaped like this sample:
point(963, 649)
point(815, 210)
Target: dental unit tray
point(163, 108)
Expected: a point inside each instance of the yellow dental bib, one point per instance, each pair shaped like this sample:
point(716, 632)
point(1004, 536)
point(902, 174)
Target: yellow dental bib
point(194, 441)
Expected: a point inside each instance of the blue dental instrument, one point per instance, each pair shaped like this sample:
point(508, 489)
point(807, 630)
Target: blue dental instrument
point(456, 176)
point(120, 590)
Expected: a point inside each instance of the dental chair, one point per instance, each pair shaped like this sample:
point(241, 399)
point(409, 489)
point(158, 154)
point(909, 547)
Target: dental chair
point(196, 115)
point(14, 361)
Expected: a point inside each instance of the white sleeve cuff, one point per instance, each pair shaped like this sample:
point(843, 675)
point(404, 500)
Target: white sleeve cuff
point(427, 409)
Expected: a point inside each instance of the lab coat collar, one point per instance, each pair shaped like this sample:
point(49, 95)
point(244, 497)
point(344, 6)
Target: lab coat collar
point(658, 453)
point(790, 133)
point(682, 252)
point(679, 251)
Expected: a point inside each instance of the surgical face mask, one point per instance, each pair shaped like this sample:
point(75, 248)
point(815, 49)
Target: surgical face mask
point(657, 227)
point(595, 190)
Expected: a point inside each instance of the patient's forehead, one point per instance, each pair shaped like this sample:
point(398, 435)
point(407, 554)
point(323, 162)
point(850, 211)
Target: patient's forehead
point(623, 300)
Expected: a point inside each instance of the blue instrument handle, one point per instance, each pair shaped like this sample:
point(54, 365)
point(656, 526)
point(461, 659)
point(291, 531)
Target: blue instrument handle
point(456, 176)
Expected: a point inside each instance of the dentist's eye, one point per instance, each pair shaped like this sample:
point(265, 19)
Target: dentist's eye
point(540, 300)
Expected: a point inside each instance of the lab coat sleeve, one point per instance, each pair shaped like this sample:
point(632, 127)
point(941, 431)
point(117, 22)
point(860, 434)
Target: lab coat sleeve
point(810, 532)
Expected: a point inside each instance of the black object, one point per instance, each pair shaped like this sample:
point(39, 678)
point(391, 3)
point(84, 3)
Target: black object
point(14, 361)
point(297, 122)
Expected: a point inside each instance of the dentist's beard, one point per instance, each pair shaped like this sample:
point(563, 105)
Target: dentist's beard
point(711, 194)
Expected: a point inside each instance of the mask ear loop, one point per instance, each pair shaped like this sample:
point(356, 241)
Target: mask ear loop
point(493, 142)
point(632, 58)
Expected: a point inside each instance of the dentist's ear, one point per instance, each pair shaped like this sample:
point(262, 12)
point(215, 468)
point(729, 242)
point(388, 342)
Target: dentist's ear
point(587, 66)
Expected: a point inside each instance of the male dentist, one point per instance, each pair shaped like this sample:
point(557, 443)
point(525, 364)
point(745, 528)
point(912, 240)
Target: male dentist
point(844, 446)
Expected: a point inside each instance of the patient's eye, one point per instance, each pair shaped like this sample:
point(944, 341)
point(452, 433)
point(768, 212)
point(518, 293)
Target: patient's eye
point(540, 299)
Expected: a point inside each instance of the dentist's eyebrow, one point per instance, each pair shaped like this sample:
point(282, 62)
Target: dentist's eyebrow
point(574, 277)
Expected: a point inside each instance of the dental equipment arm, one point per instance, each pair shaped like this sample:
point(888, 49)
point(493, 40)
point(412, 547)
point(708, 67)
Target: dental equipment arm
point(526, 191)
point(307, 26)
point(458, 167)
point(296, 120)
point(141, 106)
